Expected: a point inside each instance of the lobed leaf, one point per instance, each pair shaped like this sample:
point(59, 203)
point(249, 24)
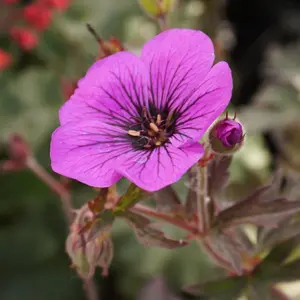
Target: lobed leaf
point(259, 208)
point(229, 249)
point(218, 174)
point(149, 236)
point(167, 199)
point(268, 237)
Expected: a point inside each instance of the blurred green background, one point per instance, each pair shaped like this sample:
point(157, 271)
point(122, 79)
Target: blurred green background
point(260, 41)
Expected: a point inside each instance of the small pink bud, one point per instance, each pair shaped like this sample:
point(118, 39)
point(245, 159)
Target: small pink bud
point(226, 136)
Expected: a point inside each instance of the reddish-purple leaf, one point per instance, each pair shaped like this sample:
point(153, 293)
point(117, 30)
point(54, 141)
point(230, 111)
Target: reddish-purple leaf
point(148, 235)
point(229, 249)
point(167, 199)
point(259, 209)
point(218, 174)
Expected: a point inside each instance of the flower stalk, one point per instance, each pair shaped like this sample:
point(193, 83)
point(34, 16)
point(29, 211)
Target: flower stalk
point(89, 284)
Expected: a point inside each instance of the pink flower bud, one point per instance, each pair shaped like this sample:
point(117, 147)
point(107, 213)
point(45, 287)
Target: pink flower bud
point(229, 132)
point(226, 136)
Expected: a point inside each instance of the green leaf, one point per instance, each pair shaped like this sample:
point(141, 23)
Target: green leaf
point(131, 197)
point(226, 289)
point(149, 236)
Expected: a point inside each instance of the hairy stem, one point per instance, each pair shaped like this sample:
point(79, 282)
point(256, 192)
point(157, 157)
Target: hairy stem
point(89, 284)
point(55, 185)
point(202, 202)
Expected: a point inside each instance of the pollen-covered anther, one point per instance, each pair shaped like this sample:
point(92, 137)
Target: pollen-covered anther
point(154, 127)
point(134, 133)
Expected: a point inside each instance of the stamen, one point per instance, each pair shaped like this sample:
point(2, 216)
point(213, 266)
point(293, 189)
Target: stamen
point(154, 127)
point(158, 143)
point(158, 119)
point(134, 133)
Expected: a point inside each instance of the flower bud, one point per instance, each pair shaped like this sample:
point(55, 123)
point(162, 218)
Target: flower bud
point(5, 60)
point(226, 136)
point(86, 254)
point(157, 8)
point(25, 38)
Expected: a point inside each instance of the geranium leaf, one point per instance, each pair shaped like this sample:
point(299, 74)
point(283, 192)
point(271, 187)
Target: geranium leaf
point(218, 174)
point(149, 236)
point(167, 199)
point(260, 208)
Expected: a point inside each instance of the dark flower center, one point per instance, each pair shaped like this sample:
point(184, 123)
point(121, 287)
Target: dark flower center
point(152, 129)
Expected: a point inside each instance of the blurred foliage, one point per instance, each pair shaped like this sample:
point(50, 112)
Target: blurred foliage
point(33, 261)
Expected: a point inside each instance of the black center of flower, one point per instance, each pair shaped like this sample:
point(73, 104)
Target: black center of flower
point(152, 128)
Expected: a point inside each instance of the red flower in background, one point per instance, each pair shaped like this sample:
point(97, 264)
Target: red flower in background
point(5, 60)
point(38, 15)
point(24, 37)
point(60, 5)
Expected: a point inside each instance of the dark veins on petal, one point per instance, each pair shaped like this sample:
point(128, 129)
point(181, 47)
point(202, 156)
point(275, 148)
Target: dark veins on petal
point(152, 126)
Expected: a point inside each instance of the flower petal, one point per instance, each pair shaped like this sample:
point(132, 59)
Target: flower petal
point(88, 151)
point(114, 90)
point(178, 60)
point(153, 170)
point(204, 105)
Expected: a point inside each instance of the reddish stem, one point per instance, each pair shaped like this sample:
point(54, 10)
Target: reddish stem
point(89, 284)
point(55, 185)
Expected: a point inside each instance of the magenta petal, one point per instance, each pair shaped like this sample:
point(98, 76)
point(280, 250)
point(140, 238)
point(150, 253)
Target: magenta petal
point(160, 167)
point(88, 151)
point(178, 60)
point(113, 90)
point(204, 105)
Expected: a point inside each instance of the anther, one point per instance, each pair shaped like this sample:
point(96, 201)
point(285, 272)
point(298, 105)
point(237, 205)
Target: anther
point(158, 119)
point(158, 143)
point(154, 127)
point(134, 133)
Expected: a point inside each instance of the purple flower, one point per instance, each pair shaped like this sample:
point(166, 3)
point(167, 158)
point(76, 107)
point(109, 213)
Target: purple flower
point(142, 117)
point(229, 132)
